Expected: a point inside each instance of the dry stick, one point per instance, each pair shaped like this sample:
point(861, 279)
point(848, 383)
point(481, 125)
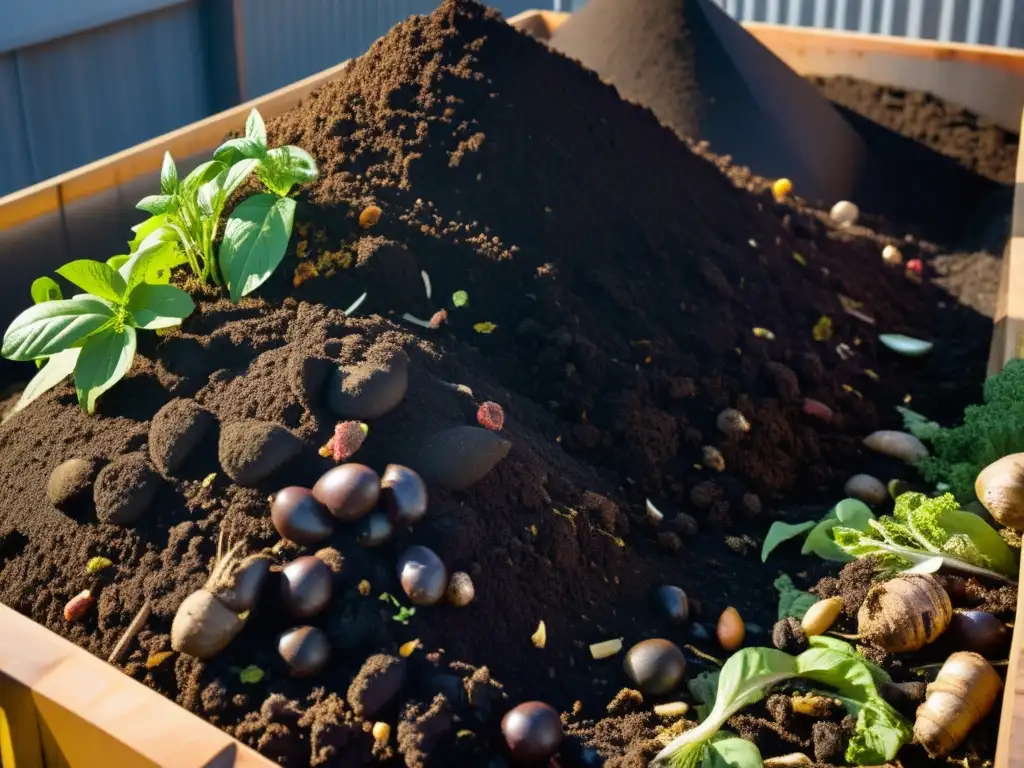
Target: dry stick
point(129, 634)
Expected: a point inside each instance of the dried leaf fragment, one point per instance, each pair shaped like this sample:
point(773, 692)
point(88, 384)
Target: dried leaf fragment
point(408, 649)
point(485, 327)
point(156, 659)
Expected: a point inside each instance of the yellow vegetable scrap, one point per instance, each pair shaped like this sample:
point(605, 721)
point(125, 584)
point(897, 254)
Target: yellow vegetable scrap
point(871, 374)
point(822, 329)
point(799, 259)
point(606, 648)
point(850, 390)
point(781, 189)
point(302, 249)
point(381, 733)
point(156, 659)
point(485, 327)
point(764, 333)
point(407, 649)
point(540, 637)
point(369, 217)
point(306, 270)
point(364, 588)
point(208, 480)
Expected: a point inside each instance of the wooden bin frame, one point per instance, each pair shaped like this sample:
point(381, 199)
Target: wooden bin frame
point(62, 707)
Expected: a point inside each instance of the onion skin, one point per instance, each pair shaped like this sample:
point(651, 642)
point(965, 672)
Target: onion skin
point(905, 613)
point(1000, 489)
point(962, 695)
point(203, 626)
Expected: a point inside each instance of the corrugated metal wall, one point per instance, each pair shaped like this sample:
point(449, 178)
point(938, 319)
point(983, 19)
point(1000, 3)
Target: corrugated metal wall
point(80, 80)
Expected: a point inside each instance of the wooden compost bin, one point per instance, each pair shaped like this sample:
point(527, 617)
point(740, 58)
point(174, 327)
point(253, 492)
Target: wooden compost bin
point(62, 707)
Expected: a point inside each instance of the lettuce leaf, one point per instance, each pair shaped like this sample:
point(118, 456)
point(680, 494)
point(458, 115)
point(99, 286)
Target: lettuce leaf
point(792, 601)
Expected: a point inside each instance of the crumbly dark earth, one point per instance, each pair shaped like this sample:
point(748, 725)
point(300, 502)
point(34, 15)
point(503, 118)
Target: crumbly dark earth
point(626, 280)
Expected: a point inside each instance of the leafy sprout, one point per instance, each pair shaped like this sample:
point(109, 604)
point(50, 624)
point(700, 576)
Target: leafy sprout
point(404, 612)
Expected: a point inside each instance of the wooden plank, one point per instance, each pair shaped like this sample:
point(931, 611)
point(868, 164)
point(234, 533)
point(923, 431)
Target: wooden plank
point(1007, 345)
point(89, 713)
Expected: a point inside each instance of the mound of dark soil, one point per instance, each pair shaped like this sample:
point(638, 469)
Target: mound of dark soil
point(703, 75)
point(622, 292)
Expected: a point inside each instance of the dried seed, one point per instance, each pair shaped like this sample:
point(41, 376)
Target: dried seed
point(821, 616)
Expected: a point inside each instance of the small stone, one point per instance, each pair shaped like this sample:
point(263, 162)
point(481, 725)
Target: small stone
point(379, 680)
point(685, 525)
point(868, 489)
point(704, 494)
point(458, 457)
point(251, 451)
point(670, 542)
point(124, 489)
point(369, 389)
point(176, 430)
point(70, 482)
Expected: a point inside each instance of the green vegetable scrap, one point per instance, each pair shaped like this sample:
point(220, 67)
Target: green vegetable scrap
point(746, 679)
point(250, 674)
point(922, 529)
point(460, 299)
point(850, 513)
point(405, 612)
point(97, 564)
point(92, 335)
point(792, 601)
point(988, 432)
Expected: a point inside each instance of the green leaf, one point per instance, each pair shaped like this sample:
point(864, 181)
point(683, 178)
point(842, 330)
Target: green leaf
point(289, 166)
point(213, 194)
point(57, 368)
point(104, 361)
point(152, 263)
point(255, 239)
point(854, 513)
point(45, 289)
point(168, 175)
point(54, 326)
point(159, 306)
point(116, 262)
point(202, 174)
point(729, 751)
point(821, 543)
point(233, 150)
point(780, 532)
point(96, 278)
point(881, 677)
point(254, 127)
point(144, 230)
point(157, 204)
point(792, 601)
point(460, 299)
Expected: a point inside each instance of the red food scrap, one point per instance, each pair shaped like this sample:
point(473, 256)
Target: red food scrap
point(439, 318)
point(348, 437)
point(915, 267)
point(817, 409)
point(78, 606)
point(491, 416)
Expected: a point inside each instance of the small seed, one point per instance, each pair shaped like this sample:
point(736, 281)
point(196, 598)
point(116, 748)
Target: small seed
point(540, 637)
point(712, 458)
point(821, 616)
point(78, 606)
point(381, 733)
point(730, 629)
point(892, 255)
point(844, 213)
point(460, 591)
point(733, 423)
point(606, 648)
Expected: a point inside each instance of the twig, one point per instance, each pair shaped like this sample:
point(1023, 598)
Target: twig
point(129, 634)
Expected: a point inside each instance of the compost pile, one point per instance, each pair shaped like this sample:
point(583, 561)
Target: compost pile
point(622, 293)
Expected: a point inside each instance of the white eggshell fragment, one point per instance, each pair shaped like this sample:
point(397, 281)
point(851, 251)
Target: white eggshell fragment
point(892, 255)
point(899, 445)
point(905, 345)
point(844, 213)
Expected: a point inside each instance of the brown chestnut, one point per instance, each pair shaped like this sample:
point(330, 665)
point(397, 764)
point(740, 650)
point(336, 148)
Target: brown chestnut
point(674, 604)
point(349, 491)
point(533, 732)
point(306, 586)
point(979, 632)
point(305, 650)
point(656, 666)
point(299, 517)
point(403, 495)
point(424, 577)
point(374, 530)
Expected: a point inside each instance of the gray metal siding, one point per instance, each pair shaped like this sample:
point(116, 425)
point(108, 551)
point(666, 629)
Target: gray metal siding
point(80, 98)
point(15, 153)
point(285, 41)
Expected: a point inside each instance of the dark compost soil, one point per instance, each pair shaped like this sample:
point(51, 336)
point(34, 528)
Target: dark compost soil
point(635, 290)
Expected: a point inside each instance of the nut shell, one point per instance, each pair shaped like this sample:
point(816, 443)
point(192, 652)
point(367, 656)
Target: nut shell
point(656, 666)
point(424, 577)
point(299, 517)
point(403, 495)
point(674, 604)
point(533, 732)
point(305, 650)
point(306, 587)
point(350, 491)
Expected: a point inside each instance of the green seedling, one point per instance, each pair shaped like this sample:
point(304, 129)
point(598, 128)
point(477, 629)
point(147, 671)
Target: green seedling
point(405, 612)
point(188, 211)
point(92, 335)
